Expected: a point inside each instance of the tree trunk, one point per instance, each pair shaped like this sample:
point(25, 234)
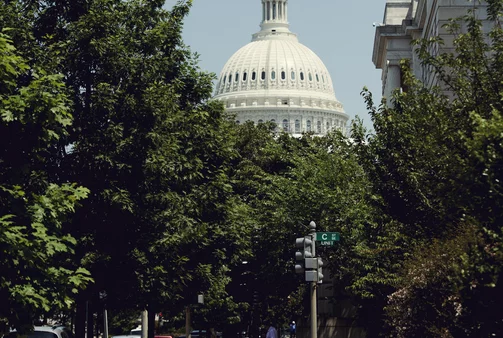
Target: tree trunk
point(90, 320)
point(80, 318)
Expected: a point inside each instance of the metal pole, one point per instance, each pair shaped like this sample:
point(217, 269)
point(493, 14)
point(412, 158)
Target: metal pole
point(105, 324)
point(144, 324)
point(314, 321)
point(187, 322)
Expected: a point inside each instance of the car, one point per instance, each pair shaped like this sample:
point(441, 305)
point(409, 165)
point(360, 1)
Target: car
point(43, 332)
point(196, 334)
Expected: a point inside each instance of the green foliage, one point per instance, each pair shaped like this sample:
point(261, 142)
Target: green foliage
point(34, 245)
point(436, 159)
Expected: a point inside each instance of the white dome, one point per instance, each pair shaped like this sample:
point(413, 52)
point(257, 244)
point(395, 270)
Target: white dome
point(276, 78)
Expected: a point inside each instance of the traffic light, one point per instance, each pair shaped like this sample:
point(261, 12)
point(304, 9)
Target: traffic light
point(314, 269)
point(320, 270)
point(305, 246)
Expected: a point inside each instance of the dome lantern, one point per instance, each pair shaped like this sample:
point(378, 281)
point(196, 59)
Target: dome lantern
point(274, 21)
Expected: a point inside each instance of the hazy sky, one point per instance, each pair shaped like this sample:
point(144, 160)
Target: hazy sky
point(340, 32)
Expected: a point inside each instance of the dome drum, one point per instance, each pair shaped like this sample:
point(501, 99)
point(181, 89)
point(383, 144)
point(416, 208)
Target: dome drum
point(297, 122)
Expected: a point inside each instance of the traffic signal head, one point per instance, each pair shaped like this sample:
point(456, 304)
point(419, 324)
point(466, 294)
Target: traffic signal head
point(313, 271)
point(305, 250)
point(320, 270)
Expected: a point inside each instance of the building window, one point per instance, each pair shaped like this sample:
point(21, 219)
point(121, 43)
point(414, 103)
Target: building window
point(292, 75)
point(237, 77)
point(301, 76)
point(285, 125)
point(244, 76)
point(237, 122)
point(273, 75)
point(261, 121)
point(254, 76)
point(328, 126)
point(308, 125)
point(262, 76)
point(297, 126)
point(318, 125)
point(225, 78)
point(323, 78)
point(317, 78)
point(283, 75)
point(310, 77)
point(230, 78)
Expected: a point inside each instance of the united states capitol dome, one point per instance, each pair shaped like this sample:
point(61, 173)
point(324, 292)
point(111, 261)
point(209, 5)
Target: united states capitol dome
point(276, 78)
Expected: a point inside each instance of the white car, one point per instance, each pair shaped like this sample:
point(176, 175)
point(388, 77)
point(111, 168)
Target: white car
point(43, 332)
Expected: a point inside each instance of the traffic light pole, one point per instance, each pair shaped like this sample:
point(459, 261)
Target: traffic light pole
point(314, 315)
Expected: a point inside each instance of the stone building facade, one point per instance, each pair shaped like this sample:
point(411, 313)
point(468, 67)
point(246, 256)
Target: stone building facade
point(407, 20)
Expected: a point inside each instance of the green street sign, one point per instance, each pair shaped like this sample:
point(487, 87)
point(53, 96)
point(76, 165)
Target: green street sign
point(327, 237)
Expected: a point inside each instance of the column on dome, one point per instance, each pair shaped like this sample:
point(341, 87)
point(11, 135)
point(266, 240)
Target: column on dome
point(285, 11)
point(274, 10)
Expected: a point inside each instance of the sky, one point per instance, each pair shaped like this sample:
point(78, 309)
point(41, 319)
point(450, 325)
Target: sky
point(340, 32)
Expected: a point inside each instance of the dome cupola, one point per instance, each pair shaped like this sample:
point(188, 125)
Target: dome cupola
point(276, 78)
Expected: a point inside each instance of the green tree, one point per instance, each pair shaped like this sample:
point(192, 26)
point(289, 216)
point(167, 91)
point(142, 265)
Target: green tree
point(35, 244)
point(436, 158)
point(160, 223)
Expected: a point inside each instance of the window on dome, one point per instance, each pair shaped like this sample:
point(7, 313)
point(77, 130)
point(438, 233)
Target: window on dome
point(285, 125)
point(262, 76)
point(230, 78)
point(283, 75)
point(254, 76)
point(292, 75)
point(318, 125)
point(244, 76)
point(323, 78)
point(308, 125)
point(310, 77)
point(260, 121)
point(317, 78)
point(301, 76)
point(224, 79)
point(237, 77)
point(273, 75)
point(297, 126)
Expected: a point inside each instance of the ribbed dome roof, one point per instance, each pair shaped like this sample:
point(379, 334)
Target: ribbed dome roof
point(276, 65)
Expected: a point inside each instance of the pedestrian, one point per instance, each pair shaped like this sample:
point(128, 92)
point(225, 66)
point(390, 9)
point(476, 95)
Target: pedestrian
point(271, 332)
point(293, 329)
